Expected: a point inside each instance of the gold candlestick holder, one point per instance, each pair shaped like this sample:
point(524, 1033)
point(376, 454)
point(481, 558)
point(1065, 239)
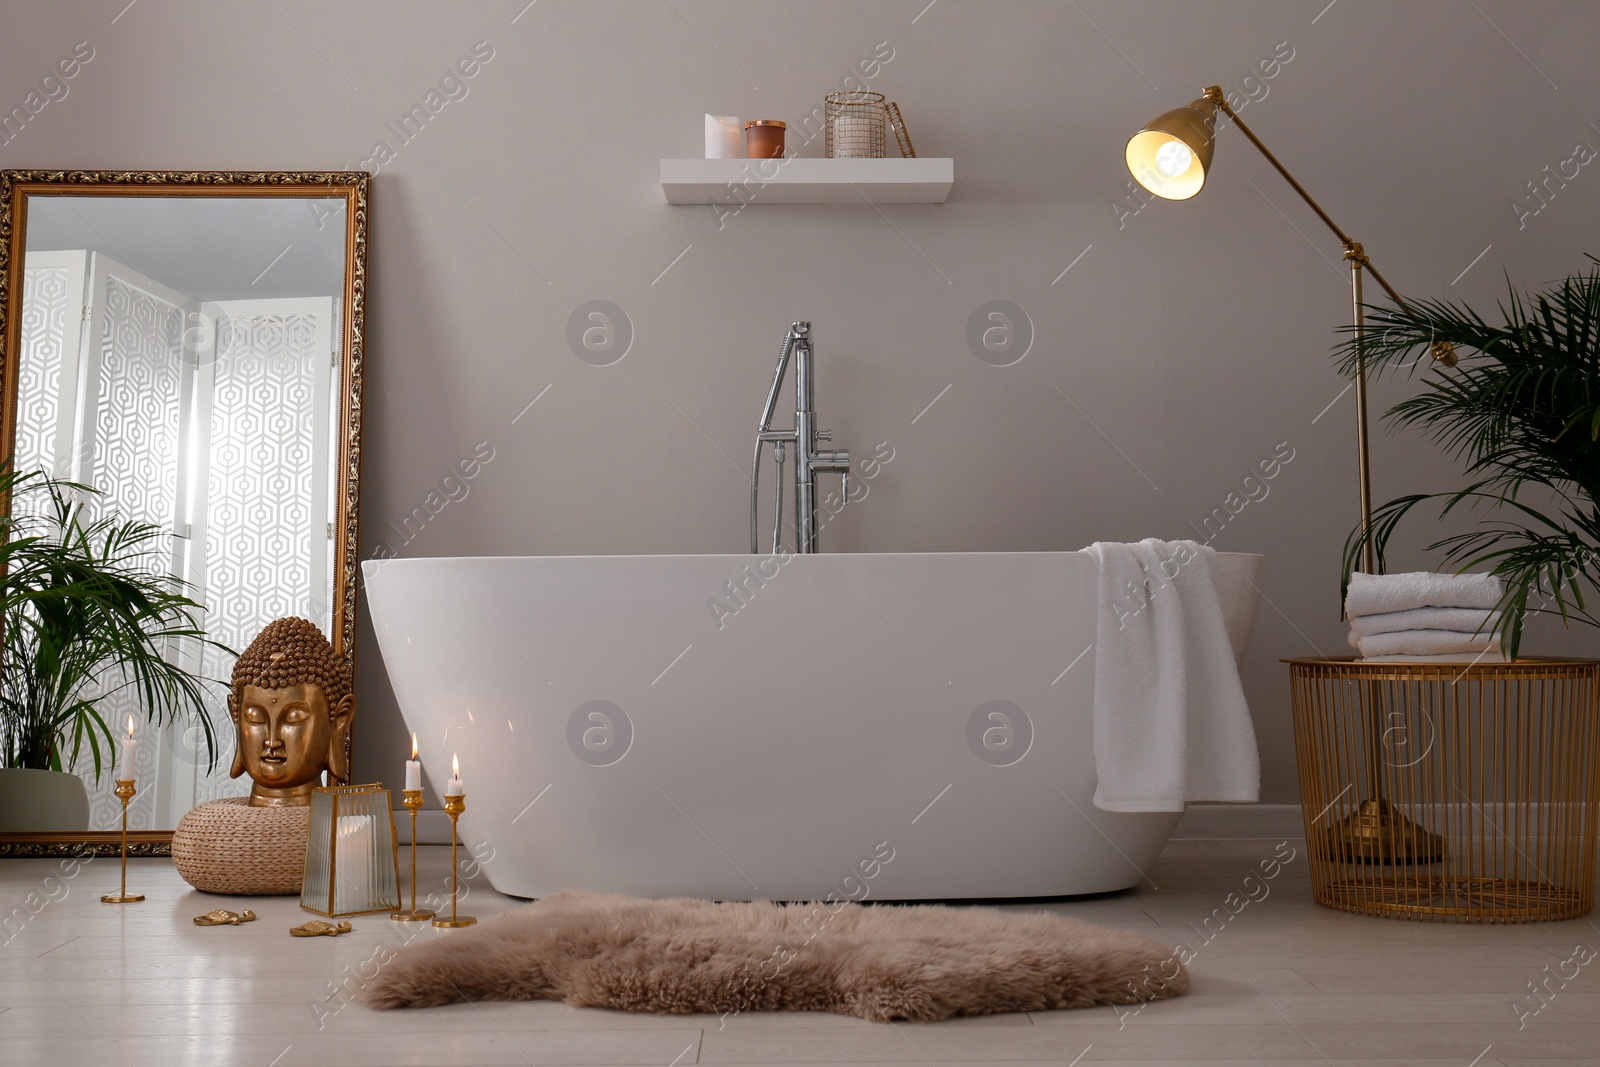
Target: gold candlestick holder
point(412, 799)
point(453, 807)
point(125, 791)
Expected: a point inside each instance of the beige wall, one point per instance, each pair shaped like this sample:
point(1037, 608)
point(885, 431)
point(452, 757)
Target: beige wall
point(1183, 347)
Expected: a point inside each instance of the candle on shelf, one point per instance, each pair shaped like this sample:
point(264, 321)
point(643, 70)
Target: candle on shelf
point(724, 137)
point(858, 134)
point(454, 789)
point(764, 138)
point(129, 748)
point(413, 767)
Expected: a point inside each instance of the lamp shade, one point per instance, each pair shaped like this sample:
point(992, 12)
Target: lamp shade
point(1172, 154)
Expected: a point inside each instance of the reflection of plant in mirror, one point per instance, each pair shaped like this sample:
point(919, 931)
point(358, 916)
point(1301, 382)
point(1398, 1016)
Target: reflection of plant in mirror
point(85, 617)
point(1522, 409)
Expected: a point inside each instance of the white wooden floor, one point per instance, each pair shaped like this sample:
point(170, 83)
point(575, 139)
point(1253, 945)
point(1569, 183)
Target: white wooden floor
point(1281, 982)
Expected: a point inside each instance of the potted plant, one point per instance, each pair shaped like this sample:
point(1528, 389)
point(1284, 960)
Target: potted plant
point(1522, 409)
point(87, 613)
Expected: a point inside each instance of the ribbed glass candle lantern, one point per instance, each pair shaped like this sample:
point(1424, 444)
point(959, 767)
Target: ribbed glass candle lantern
point(352, 860)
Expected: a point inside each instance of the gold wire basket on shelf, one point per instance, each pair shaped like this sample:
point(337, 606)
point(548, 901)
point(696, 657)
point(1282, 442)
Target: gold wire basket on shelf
point(854, 126)
point(1450, 792)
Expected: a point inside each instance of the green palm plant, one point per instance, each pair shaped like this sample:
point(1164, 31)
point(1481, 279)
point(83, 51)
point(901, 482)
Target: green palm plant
point(85, 618)
point(1522, 409)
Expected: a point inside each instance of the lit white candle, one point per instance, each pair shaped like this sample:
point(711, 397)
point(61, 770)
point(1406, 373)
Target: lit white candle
point(413, 767)
point(724, 137)
point(454, 789)
point(130, 748)
point(353, 860)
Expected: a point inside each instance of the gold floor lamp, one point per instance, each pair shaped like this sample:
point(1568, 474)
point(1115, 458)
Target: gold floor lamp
point(1171, 157)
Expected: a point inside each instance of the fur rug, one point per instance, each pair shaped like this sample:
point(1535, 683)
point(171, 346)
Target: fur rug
point(919, 963)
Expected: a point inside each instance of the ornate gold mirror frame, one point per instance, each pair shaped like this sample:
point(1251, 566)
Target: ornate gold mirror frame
point(19, 188)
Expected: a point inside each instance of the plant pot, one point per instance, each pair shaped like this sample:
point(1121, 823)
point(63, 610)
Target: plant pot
point(36, 801)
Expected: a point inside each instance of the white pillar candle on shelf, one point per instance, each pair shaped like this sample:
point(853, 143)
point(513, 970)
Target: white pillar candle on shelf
point(724, 137)
point(858, 136)
point(455, 788)
point(353, 859)
point(413, 767)
point(130, 748)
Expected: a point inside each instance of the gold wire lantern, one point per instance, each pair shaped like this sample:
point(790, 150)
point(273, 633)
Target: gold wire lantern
point(352, 858)
point(1491, 772)
point(854, 126)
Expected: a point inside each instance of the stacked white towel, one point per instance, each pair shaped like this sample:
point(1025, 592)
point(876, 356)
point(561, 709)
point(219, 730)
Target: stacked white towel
point(1424, 616)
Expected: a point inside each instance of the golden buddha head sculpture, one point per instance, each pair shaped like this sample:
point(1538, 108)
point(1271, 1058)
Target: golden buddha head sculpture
point(292, 708)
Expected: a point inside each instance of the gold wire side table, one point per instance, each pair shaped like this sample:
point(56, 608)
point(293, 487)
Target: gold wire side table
point(1450, 792)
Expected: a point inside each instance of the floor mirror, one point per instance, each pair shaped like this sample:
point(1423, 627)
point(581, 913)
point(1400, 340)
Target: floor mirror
point(189, 345)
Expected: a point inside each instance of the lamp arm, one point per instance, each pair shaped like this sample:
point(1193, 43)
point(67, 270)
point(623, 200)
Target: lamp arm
point(1442, 351)
point(1216, 96)
point(1353, 249)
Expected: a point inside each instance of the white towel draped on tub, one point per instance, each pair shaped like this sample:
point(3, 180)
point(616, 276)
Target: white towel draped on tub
point(1170, 720)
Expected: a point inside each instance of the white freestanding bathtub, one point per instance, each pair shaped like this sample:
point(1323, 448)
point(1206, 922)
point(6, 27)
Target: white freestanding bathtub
point(892, 726)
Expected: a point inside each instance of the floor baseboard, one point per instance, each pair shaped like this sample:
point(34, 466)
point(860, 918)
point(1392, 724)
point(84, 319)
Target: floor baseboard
point(1234, 822)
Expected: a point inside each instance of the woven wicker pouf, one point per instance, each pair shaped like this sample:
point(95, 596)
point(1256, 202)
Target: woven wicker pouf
point(226, 846)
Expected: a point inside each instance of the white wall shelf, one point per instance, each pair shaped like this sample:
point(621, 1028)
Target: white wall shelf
point(807, 181)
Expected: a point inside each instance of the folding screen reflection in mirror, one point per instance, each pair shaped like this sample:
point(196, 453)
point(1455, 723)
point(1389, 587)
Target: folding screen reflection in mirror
point(189, 357)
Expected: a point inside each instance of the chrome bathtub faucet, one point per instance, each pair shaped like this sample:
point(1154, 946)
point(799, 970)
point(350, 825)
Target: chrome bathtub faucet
point(809, 461)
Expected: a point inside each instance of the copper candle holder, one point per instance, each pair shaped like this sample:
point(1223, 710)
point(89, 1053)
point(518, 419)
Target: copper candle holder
point(763, 138)
point(125, 791)
point(453, 807)
point(412, 799)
